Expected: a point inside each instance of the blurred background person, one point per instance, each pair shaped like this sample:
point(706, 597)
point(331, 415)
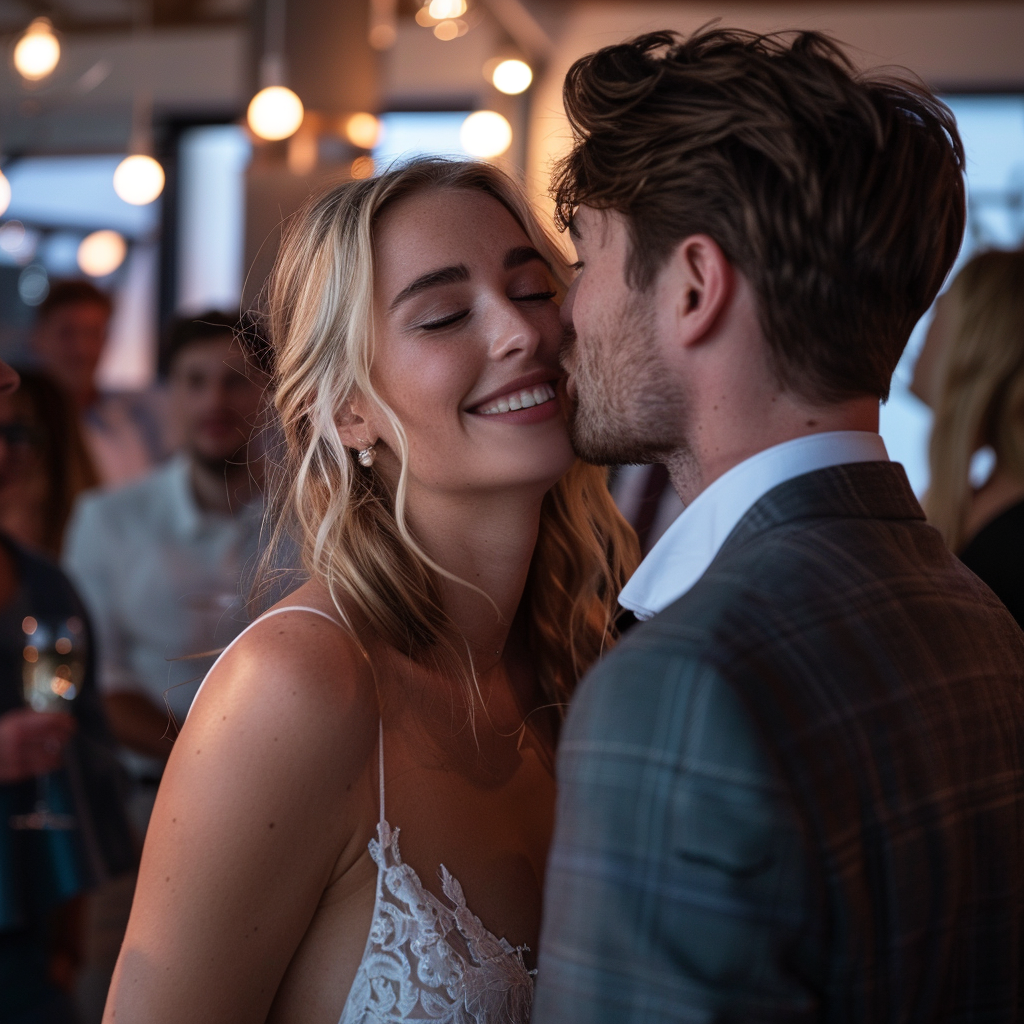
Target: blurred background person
point(63, 828)
point(971, 373)
point(160, 562)
point(123, 432)
point(47, 465)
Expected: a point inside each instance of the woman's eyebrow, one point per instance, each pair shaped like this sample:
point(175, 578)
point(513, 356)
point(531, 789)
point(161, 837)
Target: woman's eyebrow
point(521, 255)
point(446, 275)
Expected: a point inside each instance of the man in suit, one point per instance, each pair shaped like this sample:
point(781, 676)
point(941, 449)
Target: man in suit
point(796, 791)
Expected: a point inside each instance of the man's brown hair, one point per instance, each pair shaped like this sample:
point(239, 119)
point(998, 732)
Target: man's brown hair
point(839, 196)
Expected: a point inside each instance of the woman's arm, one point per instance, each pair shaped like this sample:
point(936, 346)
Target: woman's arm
point(257, 811)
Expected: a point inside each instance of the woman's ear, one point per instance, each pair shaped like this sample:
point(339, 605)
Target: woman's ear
point(353, 425)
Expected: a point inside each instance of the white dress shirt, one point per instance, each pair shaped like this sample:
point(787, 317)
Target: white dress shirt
point(162, 580)
point(690, 544)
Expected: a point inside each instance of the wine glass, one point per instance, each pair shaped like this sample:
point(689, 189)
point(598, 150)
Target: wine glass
point(53, 667)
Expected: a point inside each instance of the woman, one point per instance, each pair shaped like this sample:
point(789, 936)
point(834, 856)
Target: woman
point(463, 572)
point(971, 372)
point(54, 761)
point(47, 463)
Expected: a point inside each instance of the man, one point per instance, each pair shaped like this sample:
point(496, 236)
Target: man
point(159, 562)
point(122, 431)
point(797, 791)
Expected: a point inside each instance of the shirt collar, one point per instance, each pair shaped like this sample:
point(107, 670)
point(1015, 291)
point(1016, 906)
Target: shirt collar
point(690, 544)
point(188, 518)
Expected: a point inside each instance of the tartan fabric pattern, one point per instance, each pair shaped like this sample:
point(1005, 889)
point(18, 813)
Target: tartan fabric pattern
point(798, 793)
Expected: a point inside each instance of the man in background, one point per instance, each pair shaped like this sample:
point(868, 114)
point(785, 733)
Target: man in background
point(159, 562)
point(122, 431)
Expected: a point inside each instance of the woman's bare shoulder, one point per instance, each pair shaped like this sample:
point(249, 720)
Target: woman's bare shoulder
point(299, 674)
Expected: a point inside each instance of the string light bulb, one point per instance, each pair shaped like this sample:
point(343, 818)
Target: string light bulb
point(5, 194)
point(275, 113)
point(101, 253)
point(38, 51)
point(512, 77)
point(138, 179)
point(486, 134)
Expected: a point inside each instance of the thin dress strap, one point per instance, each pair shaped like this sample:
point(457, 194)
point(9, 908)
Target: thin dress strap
point(256, 622)
point(380, 765)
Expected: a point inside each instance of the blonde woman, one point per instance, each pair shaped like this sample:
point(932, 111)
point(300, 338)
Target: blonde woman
point(463, 569)
point(971, 372)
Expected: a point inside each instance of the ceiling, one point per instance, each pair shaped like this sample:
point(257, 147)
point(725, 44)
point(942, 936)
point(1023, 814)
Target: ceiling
point(112, 15)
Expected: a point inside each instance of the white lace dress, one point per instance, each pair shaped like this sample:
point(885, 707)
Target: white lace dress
point(427, 961)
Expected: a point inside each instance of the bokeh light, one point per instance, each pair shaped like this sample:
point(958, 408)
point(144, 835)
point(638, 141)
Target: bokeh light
point(362, 167)
point(275, 113)
point(101, 253)
point(5, 194)
point(37, 51)
point(512, 77)
point(441, 9)
point(138, 179)
point(362, 130)
point(485, 134)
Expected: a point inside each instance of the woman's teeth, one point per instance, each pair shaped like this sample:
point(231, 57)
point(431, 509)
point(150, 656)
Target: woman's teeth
point(524, 399)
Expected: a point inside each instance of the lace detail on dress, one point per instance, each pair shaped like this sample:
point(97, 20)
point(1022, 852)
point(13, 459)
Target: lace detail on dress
point(425, 961)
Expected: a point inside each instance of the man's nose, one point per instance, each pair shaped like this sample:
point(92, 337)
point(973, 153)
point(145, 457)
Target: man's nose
point(565, 313)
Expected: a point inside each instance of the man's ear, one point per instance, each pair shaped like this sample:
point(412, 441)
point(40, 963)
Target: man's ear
point(353, 425)
point(700, 281)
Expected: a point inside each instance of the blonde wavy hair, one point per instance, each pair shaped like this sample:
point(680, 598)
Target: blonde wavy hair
point(980, 385)
point(352, 530)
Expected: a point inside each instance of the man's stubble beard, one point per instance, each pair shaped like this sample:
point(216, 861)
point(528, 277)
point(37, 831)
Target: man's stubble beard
point(628, 408)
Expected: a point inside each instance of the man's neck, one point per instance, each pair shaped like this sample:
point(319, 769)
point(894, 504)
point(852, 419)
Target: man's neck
point(731, 434)
point(226, 487)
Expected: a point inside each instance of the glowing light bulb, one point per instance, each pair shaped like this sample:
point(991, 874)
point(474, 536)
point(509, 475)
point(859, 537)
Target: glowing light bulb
point(512, 77)
point(138, 179)
point(275, 113)
point(362, 130)
point(485, 134)
point(5, 194)
point(101, 253)
point(441, 9)
point(37, 51)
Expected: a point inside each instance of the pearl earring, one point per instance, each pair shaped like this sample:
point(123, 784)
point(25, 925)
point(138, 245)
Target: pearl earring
point(367, 456)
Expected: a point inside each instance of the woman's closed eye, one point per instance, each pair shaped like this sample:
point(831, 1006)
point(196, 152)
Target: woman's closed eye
point(444, 321)
point(534, 297)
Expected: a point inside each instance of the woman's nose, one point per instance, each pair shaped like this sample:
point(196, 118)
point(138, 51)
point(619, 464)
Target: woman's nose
point(515, 333)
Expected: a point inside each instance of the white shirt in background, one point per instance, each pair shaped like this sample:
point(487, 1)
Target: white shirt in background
point(690, 544)
point(162, 581)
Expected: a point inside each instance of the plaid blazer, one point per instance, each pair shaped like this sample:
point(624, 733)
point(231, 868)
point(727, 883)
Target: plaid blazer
point(798, 793)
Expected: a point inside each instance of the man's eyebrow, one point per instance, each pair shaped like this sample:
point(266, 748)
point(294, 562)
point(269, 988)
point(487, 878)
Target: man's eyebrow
point(446, 275)
point(521, 255)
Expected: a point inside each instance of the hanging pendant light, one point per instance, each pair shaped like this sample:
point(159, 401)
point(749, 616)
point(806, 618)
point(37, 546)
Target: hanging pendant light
point(275, 112)
point(38, 50)
point(139, 178)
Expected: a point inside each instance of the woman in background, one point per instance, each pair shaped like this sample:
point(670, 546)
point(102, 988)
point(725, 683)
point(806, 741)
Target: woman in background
point(47, 463)
point(66, 756)
point(971, 372)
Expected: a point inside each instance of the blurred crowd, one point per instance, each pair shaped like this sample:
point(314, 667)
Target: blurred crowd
point(153, 505)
